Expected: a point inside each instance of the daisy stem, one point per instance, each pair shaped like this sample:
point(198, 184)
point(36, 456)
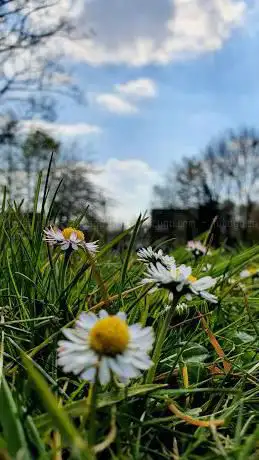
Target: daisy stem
point(164, 325)
point(62, 282)
point(92, 418)
point(64, 269)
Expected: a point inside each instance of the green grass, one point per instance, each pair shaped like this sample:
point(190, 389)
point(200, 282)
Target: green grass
point(45, 414)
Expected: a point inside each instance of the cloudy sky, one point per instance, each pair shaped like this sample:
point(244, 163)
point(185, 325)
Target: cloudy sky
point(161, 78)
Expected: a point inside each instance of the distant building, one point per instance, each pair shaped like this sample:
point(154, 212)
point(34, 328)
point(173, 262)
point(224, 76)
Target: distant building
point(186, 224)
point(173, 223)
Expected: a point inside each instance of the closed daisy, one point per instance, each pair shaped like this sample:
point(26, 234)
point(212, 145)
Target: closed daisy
point(148, 255)
point(180, 308)
point(103, 345)
point(197, 248)
point(68, 238)
point(180, 281)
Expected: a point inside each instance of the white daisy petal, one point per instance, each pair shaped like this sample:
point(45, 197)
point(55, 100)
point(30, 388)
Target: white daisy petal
point(185, 271)
point(87, 357)
point(75, 358)
point(66, 346)
point(139, 332)
point(135, 330)
point(89, 374)
point(144, 344)
point(204, 283)
point(210, 297)
point(148, 255)
point(142, 365)
point(103, 314)
point(75, 363)
point(143, 338)
point(72, 335)
point(92, 246)
point(122, 315)
point(86, 320)
point(73, 237)
point(64, 246)
point(59, 235)
point(128, 369)
point(104, 371)
point(53, 236)
point(140, 361)
point(114, 366)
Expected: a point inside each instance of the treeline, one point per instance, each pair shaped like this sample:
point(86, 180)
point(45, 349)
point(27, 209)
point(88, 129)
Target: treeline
point(223, 180)
point(25, 156)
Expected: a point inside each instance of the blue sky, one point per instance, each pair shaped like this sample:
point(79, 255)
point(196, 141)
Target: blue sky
point(161, 79)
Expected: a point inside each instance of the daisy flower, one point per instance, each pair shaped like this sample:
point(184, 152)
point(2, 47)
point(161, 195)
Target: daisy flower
point(251, 271)
point(180, 281)
point(148, 255)
point(197, 248)
point(68, 238)
point(103, 345)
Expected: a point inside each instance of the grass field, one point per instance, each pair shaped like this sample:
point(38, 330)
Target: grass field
point(198, 400)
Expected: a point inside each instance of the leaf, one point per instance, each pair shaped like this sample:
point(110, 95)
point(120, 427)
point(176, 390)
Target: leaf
point(194, 353)
point(2, 351)
point(130, 249)
point(79, 408)
point(244, 337)
point(249, 445)
point(57, 415)
point(236, 263)
point(11, 423)
point(117, 239)
point(34, 436)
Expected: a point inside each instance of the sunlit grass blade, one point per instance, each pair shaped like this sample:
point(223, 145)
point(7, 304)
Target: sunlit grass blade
point(79, 408)
point(129, 251)
point(12, 424)
point(58, 415)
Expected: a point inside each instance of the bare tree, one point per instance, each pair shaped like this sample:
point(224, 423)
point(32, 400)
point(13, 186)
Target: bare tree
point(22, 157)
point(239, 161)
point(9, 152)
point(36, 152)
point(30, 51)
point(77, 193)
point(188, 184)
point(227, 171)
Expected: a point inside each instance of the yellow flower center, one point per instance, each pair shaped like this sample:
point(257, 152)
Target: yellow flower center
point(109, 336)
point(252, 270)
point(192, 279)
point(67, 232)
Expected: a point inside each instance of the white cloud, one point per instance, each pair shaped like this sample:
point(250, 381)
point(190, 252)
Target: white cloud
point(77, 129)
point(129, 91)
point(116, 104)
point(142, 87)
point(129, 184)
point(151, 31)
